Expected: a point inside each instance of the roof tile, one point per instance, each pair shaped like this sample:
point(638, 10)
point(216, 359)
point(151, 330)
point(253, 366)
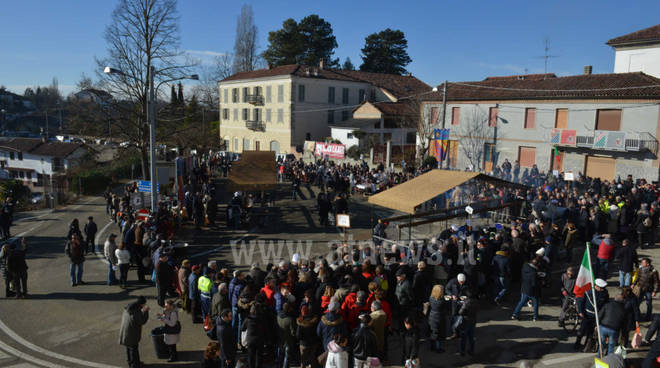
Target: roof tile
point(642, 36)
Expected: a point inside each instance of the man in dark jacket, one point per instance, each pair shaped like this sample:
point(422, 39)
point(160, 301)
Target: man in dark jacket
point(134, 317)
point(306, 336)
point(74, 250)
point(331, 323)
point(648, 282)
point(287, 335)
point(611, 317)
point(567, 285)
point(529, 288)
point(164, 278)
point(17, 266)
point(628, 257)
point(403, 292)
point(586, 311)
point(236, 285)
point(90, 233)
point(364, 342)
point(226, 339)
point(502, 268)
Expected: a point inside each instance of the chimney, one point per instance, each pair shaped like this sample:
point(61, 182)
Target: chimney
point(322, 63)
point(587, 69)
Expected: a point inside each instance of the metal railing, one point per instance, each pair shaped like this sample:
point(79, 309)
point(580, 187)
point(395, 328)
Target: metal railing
point(635, 142)
point(255, 125)
point(255, 99)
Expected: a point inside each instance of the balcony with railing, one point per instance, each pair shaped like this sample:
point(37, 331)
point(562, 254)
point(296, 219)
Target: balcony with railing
point(635, 142)
point(255, 125)
point(255, 99)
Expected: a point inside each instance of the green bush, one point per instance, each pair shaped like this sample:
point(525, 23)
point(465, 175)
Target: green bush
point(353, 152)
point(430, 161)
point(15, 189)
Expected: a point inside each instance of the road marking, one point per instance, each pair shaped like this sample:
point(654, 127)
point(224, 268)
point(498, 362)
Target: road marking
point(220, 247)
point(22, 365)
point(21, 355)
point(96, 241)
point(9, 332)
point(570, 358)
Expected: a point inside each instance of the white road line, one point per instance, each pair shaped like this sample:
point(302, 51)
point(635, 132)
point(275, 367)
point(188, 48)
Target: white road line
point(43, 351)
point(21, 355)
point(96, 241)
point(220, 247)
point(570, 358)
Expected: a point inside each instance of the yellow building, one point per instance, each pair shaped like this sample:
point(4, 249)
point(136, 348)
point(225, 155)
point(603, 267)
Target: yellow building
point(279, 108)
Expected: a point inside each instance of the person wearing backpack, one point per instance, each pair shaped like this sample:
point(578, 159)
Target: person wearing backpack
point(74, 250)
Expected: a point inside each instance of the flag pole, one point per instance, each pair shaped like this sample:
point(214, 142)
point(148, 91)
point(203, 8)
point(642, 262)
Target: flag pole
point(595, 302)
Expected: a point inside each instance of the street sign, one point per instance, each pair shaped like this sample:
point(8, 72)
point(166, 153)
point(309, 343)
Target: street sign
point(143, 214)
point(469, 210)
point(568, 176)
point(343, 220)
point(144, 186)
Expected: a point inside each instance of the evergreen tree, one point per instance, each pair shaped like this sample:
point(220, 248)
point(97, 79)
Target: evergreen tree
point(305, 42)
point(385, 52)
point(180, 97)
point(348, 65)
point(173, 99)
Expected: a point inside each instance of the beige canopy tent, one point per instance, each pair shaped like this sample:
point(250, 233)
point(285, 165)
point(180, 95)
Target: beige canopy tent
point(406, 197)
point(255, 171)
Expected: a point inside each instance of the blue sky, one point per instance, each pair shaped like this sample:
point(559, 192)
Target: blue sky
point(453, 40)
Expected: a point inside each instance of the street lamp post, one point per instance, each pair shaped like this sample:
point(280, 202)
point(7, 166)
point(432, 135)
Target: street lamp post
point(151, 118)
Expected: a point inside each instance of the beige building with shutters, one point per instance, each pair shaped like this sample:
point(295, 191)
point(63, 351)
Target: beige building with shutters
point(280, 108)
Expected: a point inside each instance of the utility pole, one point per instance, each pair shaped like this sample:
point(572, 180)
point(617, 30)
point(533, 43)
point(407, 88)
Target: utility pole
point(152, 139)
point(444, 110)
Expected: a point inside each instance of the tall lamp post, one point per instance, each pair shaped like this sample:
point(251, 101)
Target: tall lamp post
point(151, 117)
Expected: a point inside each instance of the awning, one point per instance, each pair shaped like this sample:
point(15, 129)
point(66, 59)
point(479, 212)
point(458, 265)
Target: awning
point(255, 171)
point(407, 196)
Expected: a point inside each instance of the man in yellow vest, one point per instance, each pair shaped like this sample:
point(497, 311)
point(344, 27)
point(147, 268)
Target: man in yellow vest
point(204, 285)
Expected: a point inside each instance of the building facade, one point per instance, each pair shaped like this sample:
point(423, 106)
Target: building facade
point(555, 123)
point(278, 109)
point(638, 51)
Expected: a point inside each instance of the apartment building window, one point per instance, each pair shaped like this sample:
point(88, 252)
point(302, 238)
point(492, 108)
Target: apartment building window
point(608, 119)
point(256, 114)
point(411, 138)
point(301, 93)
point(280, 93)
point(40, 180)
point(561, 119)
point(268, 93)
point(20, 156)
point(526, 156)
point(226, 95)
point(344, 96)
point(344, 115)
point(225, 114)
point(57, 164)
point(331, 116)
point(493, 112)
point(331, 95)
point(361, 96)
point(455, 115)
point(234, 95)
point(268, 115)
point(246, 144)
point(257, 90)
point(280, 115)
point(11, 155)
point(235, 114)
point(372, 96)
point(21, 174)
point(246, 91)
point(235, 144)
point(434, 116)
point(246, 114)
point(530, 118)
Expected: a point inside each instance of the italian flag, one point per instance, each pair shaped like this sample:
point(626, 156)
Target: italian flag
point(585, 276)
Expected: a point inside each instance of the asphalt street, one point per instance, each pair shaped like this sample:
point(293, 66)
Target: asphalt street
point(64, 326)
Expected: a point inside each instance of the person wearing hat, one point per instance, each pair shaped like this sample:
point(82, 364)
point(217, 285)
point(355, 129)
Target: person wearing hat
point(605, 245)
point(403, 292)
point(90, 230)
point(135, 315)
point(364, 342)
point(587, 312)
point(306, 336)
point(331, 324)
point(109, 248)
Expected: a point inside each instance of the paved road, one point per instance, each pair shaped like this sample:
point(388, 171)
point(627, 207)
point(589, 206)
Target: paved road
point(64, 326)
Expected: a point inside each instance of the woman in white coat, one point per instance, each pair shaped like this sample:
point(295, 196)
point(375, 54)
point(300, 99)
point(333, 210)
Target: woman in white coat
point(337, 354)
point(170, 318)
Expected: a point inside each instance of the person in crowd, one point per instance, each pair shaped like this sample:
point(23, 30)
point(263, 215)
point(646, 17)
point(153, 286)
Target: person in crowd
point(164, 278)
point(204, 286)
point(183, 274)
point(172, 328)
point(568, 280)
point(611, 316)
point(124, 263)
point(364, 344)
point(331, 323)
point(306, 337)
point(226, 339)
point(337, 350)
point(5, 252)
point(74, 228)
point(254, 327)
point(628, 256)
point(587, 312)
point(605, 244)
point(529, 288)
point(438, 311)
point(220, 300)
point(109, 251)
point(17, 266)
point(403, 293)
point(410, 340)
point(502, 272)
point(648, 284)
point(90, 234)
point(469, 313)
point(236, 286)
point(211, 355)
point(74, 249)
point(193, 294)
point(135, 315)
point(633, 317)
point(286, 335)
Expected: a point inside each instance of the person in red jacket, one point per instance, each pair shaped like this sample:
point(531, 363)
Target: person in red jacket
point(358, 308)
point(327, 298)
point(349, 301)
point(605, 245)
point(269, 291)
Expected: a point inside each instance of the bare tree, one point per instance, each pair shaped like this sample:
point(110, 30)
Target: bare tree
point(224, 65)
point(245, 46)
point(141, 35)
point(474, 133)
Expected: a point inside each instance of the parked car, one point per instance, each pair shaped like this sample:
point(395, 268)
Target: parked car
point(37, 197)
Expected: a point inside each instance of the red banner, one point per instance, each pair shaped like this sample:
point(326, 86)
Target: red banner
point(330, 150)
point(568, 137)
